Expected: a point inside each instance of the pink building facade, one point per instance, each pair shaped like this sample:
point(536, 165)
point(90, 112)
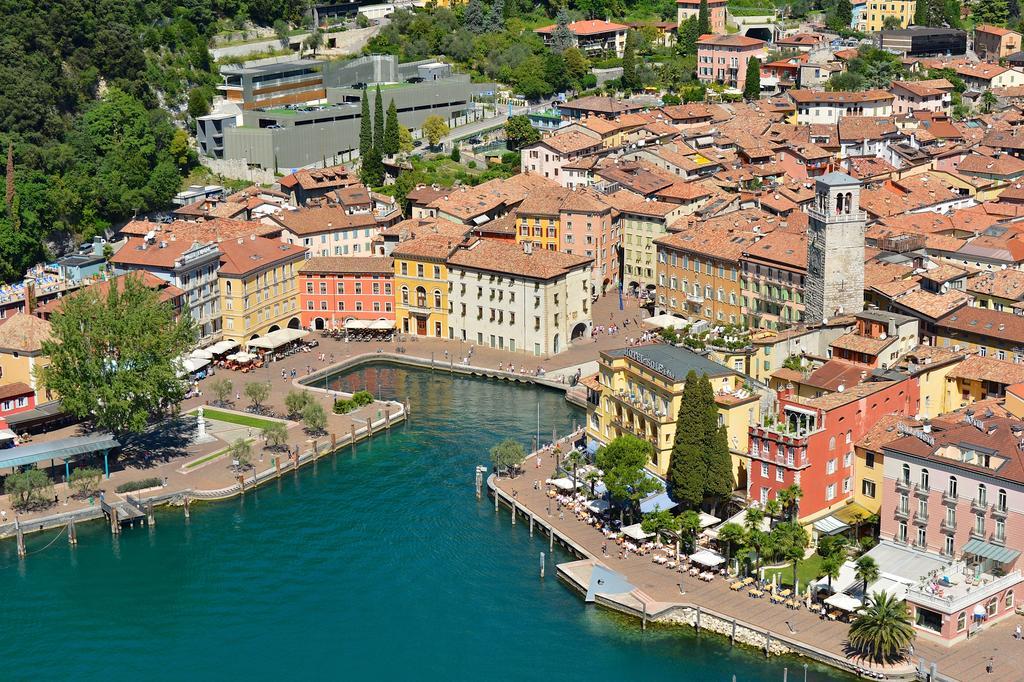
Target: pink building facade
point(954, 489)
point(723, 58)
point(588, 230)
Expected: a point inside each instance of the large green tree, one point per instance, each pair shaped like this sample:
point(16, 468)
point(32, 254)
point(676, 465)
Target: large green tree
point(365, 127)
point(990, 11)
point(562, 38)
point(392, 138)
point(623, 462)
point(689, 32)
point(112, 357)
point(703, 18)
point(519, 132)
point(687, 469)
point(378, 122)
point(630, 76)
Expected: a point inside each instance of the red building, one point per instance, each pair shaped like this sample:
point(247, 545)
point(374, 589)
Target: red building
point(811, 443)
point(336, 289)
point(16, 397)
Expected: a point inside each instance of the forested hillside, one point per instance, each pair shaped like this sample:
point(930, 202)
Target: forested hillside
point(89, 90)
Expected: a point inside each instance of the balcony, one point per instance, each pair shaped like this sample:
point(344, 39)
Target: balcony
point(998, 539)
point(921, 493)
point(948, 500)
point(902, 486)
point(998, 512)
point(979, 506)
point(901, 514)
point(977, 534)
point(695, 298)
point(948, 526)
point(921, 519)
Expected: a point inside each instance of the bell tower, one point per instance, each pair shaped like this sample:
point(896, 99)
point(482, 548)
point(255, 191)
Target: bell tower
point(835, 249)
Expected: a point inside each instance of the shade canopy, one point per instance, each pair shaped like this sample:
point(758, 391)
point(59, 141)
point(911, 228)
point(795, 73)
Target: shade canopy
point(655, 502)
point(65, 448)
point(372, 325)
point(706, 557)
point(222, 347)
point(597, 506)
point(987, 550)
point(203, 353)
point(562, 483)
point(707, 520)
point(636, 532)
point(190, 365)
point(277, 338)
point(665, 321)
point(843, 601)
point(242, 357)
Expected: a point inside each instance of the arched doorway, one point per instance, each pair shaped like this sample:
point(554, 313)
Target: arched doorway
point(273, 328)
point(294, 323)
point(555, 346)
point(319, 323)
point(579, 331)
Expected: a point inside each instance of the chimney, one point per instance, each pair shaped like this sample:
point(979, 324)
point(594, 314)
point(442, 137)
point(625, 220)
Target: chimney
point(30, 296)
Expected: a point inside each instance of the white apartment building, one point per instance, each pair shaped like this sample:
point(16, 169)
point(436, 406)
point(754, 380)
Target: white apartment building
point(327, 231)
point(819, 106)
point(518, 298)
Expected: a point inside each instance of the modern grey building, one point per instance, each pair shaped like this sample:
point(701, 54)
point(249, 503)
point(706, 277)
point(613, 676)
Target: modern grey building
point(326, 127)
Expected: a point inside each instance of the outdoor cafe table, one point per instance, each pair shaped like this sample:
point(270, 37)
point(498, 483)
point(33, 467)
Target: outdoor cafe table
point(756, 593)
point(785, 593)
point(738, 585)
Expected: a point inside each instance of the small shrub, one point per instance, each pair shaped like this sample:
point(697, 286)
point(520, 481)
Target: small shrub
point(361, 398)
point(344, 406)
point(132, 486)
point(471, 164)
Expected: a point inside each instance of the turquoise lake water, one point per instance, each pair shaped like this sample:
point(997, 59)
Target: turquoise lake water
point(380, 563)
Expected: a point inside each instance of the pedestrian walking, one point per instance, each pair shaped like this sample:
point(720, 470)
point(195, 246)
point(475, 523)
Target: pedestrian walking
point(988, 666)
point(1016, 632)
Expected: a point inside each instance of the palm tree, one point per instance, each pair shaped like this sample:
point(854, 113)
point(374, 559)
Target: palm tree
point(831, 566)
point(867, 571)
point(689, 526)
point(753, 518)
point(883, 631)
point(988, 101)
point(732, 534)
point(575, 459)
point(773, 508)
point(592, 476)
point(794, 493)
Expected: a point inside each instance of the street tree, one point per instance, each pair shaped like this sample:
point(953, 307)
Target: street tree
point(85, 480)
point(112, 356)
point(623, 461)
point(314, 41)
point(27, 488)
point(296, 401)
point(435, 128)
point(275, 434)
point(658, 520)
point(314, 418)
point(257, 392)
point(790, 540)
point(365, 126)
point(830, 566)
point(507, 456)
point(519, 132)
point(734, 536)
point(241, 453)
point(221, 389)
point(686, 469)
point(866, 570)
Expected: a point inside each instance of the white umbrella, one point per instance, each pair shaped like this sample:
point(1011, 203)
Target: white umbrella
point(203, 353)
point(706, 557)
point(843, 601)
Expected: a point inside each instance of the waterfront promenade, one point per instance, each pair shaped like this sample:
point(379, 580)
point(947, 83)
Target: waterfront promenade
point(660, 588)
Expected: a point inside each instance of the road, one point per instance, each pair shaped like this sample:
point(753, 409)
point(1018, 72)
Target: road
point(477, 127)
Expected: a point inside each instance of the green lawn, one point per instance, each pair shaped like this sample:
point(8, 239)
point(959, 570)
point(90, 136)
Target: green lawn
point(232, 418)
point(212, 456)
point(806, 571)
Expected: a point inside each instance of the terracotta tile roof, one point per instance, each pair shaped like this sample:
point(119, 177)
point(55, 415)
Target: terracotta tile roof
point(604, 105)
point(240, 257)
point(433, 247)
point(880, 272)
point(984, 322)
point(686, 191)
point(465, 203)
point(933, 306)
point(505, 257)
point(830, 401)
point(835, 373)
point(419, 227)
point(348, 265)
point(856, 128)
point(319, 178)
point(863, 344)
point(865, 167)
point(200, 231)
point(731, 40)
point(625, 201)
point(907, 194)
point(1004, 165)
point(570, 142)
point(137, 253)
point(24, 333)
point(641, 177)
point(306, 221)
point(800, 39)
point(546, 202)
point(895, 288)
point(587, 28)
point(839, 96)
point(695, 111)
point(885, 431)
point(1008, 284)
point(925, 88)
point(943, 273)
point(715, 242)
point(584, 200)
point(781, 247)
point(15, 390)
point(994, 30)
point(591, 382)
point(988, 368)
point(425, 194)
point(849, 53)
point(982, 71)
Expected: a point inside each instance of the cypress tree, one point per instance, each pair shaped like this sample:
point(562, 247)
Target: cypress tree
point(720, 482)
point(378, 123)
point(630, 79)
point(703, 18)
point(391, 139)
point(752, 84)
point(365, 128)
point(688, 34)
point(921, 13)
point(687, 469)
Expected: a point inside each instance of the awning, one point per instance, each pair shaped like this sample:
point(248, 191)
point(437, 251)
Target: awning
point(830, 525)
point(194, 364)
point(7, 434)
point(202, 353)
point(708, 520)
point(844, 602)
point(597, 506)
point(987, 550)
point(706, 557)
point(561, 483)
point(65, 448)
point(666, 321)
point(277, 338)
point(979, 611)
point(660, 501)
point(222, 347)
point(242, 357)
point(375, 325)
point(636, 532)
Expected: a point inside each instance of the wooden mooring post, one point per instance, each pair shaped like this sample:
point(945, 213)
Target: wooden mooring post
point(188, 513)
point(150, 517)
point(72, 532)
point(352, 436)
point(542, 565)
point(698, 618)
point(21, 539)
point(531, 525)
point(495, 499)
point(115, 526)
point(479, 483)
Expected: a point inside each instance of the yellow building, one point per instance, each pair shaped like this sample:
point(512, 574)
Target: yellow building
point(21, 352)
point(258, 287)
point(421, 285)
point(639, 390)
point(878, 10)
point(541, 227)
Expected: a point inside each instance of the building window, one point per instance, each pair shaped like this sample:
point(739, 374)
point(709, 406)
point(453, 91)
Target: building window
point(830, 467)
point(830, 491)
point(952, 487)
point(992, 607)
point(1008, 600)
point(924, 479)
point(961, 621)
point(949, 548)
point(901, 532)
point(848, 460)
point(922, 537)
point(1001, 500)
point(868, 488)
point(764, 470)
point(780, 474)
